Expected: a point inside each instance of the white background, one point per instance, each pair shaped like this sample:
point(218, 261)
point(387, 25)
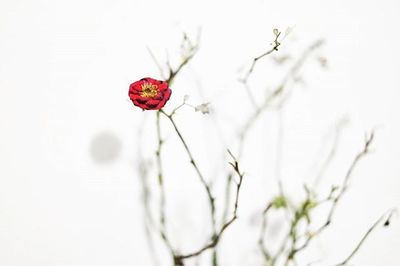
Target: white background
point(65, 68)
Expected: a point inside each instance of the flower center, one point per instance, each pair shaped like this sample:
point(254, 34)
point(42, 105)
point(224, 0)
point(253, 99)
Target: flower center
point(149, 90)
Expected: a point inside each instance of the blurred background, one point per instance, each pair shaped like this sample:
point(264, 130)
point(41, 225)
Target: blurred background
point(71, 142)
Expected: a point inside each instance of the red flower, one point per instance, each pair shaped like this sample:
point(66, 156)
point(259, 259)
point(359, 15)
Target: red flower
point(149, 94)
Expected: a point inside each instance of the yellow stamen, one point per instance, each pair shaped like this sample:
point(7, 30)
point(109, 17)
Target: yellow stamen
point(149, 90)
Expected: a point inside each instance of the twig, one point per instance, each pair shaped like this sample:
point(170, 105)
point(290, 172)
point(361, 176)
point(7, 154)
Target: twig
point(191, 51)
point(244, 80)
point(335, 200)
point(149, 223)
point(163, 230)
point(235, 166)
point(338, 131)
point(276, 93)
point(156, 62)
point(360, 155)
point(195, 166)
point(216, 238)
point(279, 152)
point(227, 196)
point(250, 122)
point(276, 44)
point(261, 245)
point(302, 212)
point(386, 215)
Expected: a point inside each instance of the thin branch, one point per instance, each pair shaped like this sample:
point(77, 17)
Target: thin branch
point(244, 80)
point(149, 223)
point(279, 150)
point(369, 139)
point(293, 71)
point(279, 144)
point(160, 171)
point(162, 229)
point(276, 44)
point(217, 237)
point(190, 51)
point(160, 69)
point(179, 107)
point(338, 197)
point(302, 212)
point(261, 242)
point(195, 166)
point(227, 196)
point(332, 152)
point(386, 215)
point(276, 93)
point(235, 166)
point(148, 219)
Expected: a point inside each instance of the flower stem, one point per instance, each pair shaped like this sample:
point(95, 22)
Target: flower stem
point(195, 166)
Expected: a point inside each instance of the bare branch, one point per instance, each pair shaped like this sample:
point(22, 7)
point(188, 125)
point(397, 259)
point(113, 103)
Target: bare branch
point(163, 230)
point(385, 217)
point(149, 223)
point(261, 242)
point(195, 166)
point(189, 50)
point(156, 62)
point(276, 93)
point(338, 130)
point(216, 238)
point(338, 197)
point(274, 48)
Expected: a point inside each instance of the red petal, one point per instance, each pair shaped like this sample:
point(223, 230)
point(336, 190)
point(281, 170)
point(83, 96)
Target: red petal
point(167, 94)
point(143, 106)
point(136, 86)
point(152, 103)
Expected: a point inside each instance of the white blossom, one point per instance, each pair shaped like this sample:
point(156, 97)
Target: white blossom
point(204, 108)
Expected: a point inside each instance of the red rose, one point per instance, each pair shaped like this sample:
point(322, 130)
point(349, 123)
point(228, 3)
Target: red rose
point(149, 94)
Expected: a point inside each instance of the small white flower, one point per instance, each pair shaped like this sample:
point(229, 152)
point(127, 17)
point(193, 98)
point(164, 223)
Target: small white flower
point(186, 97)
point(288, 31)
point(275, 31)
point(204, 108)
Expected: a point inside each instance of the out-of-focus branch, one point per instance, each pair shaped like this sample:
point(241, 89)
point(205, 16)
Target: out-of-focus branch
point(148, 218)
point(275, 94)
point(368, 141)
point(160, 171)
point(292, 73)
point(289, 248)
point(163, 228)
point(148, 221)
point(332, 152)
point(189, 50)
point(335, 200)
point(160, 69)
point(261, 241)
